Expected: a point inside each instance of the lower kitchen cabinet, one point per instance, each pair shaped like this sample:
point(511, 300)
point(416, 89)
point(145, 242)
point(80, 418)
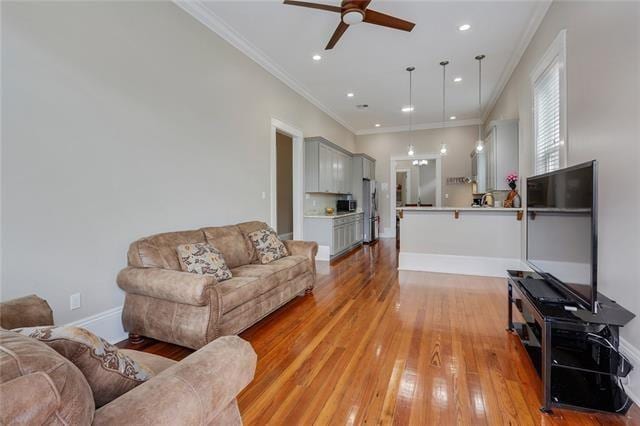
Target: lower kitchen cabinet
point(339, 233)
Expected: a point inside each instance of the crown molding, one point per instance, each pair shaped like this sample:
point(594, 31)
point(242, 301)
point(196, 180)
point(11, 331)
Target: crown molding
point(205, 16)
point(423, 126)
point(538, 15)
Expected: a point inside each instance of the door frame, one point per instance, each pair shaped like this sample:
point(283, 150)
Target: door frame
point(297, 138)
point(393, 163)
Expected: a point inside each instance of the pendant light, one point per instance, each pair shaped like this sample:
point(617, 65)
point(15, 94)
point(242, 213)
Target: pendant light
point(479, 143)
point(443, 146)
point(411, 150)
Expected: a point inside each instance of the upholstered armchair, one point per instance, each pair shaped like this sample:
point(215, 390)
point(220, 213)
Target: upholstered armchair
point(40, 386)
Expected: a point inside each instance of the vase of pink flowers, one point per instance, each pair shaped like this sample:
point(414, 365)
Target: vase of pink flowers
point(511, 179)
point(513, 199)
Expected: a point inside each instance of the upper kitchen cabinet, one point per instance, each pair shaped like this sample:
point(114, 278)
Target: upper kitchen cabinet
point(327, 167)
point(363, 167)
point(501, 153)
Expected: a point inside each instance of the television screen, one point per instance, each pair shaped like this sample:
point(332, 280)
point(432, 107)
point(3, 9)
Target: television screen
point(561, 229)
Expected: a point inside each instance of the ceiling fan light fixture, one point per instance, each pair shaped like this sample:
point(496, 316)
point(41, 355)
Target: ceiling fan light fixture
point(443, 149)
point(411, 151)
point(353, 16)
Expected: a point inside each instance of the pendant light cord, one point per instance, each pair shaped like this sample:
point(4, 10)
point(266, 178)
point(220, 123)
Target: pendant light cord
point(411, 69)
point(444, 79)
point(479, 58)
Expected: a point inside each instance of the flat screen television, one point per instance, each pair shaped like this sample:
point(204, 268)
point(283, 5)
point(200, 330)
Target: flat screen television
point(562, 231)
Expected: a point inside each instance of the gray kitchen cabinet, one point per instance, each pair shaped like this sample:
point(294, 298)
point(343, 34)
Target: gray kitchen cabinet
point(501, 150)
point(362, 167)
point(327, 167)
point(339, 233)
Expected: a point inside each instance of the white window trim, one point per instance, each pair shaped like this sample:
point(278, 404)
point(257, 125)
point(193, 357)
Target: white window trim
point(557, 49)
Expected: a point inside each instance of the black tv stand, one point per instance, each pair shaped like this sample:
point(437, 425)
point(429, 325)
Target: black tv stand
point(574, 350)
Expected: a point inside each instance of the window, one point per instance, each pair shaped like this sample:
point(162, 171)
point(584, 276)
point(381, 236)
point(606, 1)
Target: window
point(549, 109)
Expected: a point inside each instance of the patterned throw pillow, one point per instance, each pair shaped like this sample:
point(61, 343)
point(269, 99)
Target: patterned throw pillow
point(203, 259)
point(268, 245)
point(109, 372)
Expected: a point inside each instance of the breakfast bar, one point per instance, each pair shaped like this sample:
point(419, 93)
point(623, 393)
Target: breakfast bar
point(464, 240)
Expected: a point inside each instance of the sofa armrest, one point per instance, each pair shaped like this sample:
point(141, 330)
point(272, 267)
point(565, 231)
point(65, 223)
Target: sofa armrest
point(30, 399)
point(28, 311)
point(167, 284)
point(308, 249)
point(191, 392)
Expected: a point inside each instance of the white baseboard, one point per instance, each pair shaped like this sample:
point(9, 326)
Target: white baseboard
point(464, 265)
point(324, 253)
point(288, 236)
point(632, 382)
point(107, 324)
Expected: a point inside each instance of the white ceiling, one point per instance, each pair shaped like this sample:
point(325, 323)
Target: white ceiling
point(370, 60)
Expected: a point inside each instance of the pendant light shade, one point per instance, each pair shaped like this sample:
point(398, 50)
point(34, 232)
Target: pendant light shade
point(479, 143)
point(411, 150)
point(443, 64)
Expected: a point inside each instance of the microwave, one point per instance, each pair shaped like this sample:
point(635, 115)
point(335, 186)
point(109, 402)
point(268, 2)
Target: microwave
point(346, 205)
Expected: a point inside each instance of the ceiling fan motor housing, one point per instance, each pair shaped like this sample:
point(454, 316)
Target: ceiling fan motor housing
point(352, 13)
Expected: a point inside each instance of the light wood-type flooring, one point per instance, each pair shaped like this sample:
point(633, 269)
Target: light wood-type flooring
point(372, 345)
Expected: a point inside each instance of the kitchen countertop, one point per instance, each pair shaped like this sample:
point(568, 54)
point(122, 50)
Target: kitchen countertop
point(332, 216)
point(451, 209)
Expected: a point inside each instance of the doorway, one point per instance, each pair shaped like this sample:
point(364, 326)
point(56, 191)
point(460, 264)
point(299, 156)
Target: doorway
point(284, 185)
point(403, 186)
point(281, 130)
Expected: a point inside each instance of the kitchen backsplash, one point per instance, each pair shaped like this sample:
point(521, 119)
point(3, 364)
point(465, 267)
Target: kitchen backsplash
point(315, 203)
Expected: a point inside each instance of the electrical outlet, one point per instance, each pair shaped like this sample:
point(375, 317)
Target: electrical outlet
point(446, 196)
point(74, 301)
point(264, 195)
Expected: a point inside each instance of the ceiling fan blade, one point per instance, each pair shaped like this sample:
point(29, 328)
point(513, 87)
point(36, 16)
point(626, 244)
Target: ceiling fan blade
point(314, 5)
point(342, 27)
point(377, 18)
point(363, 4)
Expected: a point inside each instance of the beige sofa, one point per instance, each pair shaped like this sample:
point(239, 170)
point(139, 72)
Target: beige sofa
point(191, 310)
point(40, 386)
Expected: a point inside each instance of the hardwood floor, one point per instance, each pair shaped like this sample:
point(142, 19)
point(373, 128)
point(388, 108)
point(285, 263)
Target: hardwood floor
point(374, 345)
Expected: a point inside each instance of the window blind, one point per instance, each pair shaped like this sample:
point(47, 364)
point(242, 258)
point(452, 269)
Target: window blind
point(546, 96)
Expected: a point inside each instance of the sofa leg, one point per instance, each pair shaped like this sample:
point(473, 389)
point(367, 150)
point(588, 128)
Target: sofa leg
point(135, 339)
point(308, 291)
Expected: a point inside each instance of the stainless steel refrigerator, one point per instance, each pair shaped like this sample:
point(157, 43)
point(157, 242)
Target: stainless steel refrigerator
point(370, 209)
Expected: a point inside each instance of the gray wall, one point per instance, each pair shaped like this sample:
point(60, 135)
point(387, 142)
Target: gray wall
point(603, 116)
point(120, 120)
point(460, 142)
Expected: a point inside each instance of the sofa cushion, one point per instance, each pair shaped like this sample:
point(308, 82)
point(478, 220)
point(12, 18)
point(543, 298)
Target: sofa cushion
point(21, 356)
point(248, 227)
point(27, 311)
point(252, 281)
point(232, 244)
point(268, 245)
point(159, 251)
point(203, 259)
point(109, 372)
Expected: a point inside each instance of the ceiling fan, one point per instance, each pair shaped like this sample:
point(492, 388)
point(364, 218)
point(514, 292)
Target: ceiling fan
point(353, 12)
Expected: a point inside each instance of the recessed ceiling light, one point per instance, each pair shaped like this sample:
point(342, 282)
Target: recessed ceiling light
point(453, 117)
point(407, 108)
point(316, 57)
point(464, 27)
point(457, 79)
point(377, 124)
point(350, 95)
